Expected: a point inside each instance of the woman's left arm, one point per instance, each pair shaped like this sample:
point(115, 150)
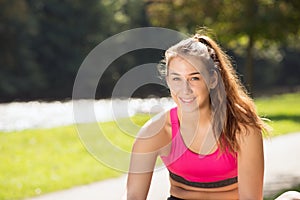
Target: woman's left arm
point(251, 165)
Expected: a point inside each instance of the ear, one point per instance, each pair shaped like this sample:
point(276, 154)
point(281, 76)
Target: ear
point(213, 80)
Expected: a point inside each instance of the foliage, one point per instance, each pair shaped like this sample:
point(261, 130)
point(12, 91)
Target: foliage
point(67, 31)
point(253, 29)
point(232, 20)
point(18, 67)
point(44, 42)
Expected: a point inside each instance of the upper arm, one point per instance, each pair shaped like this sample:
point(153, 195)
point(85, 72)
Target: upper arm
point(147, 147)
point(251, 165)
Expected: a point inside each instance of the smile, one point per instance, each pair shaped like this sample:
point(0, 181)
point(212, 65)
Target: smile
point(187, 100)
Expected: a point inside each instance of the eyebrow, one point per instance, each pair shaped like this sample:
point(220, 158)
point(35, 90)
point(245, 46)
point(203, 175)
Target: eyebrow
point(191, 74)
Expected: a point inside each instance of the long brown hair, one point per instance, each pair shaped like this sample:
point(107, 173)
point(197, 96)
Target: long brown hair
point(233, 110)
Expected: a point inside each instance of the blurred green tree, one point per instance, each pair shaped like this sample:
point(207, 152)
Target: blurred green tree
point(66, 31)
point(252, 28)
point(128, 14)
point(18, 69)
point(44, 43)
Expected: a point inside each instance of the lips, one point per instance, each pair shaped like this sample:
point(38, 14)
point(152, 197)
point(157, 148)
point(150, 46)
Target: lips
point(187, 100)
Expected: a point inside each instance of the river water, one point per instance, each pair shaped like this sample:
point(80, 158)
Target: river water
point(18, 116)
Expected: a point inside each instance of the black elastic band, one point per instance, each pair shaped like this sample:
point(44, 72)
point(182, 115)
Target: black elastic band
point(174, 198)
point(216, 184)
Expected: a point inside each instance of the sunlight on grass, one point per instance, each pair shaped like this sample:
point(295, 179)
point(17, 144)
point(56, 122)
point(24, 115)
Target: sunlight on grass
point(125, 132)
point(282, 110)
point(35, 162)
point(40, 161)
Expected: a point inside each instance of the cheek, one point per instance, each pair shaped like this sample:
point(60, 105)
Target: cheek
point(175, 88)
point(174, 97)
point(200, 88)
point(173, 94)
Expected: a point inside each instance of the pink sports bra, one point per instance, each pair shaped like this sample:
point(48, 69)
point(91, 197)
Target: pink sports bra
point(205, 171)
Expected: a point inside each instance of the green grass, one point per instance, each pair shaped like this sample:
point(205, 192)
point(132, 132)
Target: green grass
point(283, 111)
point(35, 162)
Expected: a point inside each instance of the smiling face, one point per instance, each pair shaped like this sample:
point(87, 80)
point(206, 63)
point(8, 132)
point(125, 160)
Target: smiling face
point(188, 84)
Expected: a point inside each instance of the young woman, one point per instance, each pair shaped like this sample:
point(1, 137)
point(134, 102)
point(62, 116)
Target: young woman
point(211, 142)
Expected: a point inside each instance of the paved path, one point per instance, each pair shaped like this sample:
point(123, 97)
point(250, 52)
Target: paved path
point(282, 170)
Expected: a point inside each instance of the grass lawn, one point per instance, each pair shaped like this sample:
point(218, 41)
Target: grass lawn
point(282, 110)
point(35, 162)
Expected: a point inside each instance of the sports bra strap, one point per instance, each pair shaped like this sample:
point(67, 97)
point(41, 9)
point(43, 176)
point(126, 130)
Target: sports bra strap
point(174, 121)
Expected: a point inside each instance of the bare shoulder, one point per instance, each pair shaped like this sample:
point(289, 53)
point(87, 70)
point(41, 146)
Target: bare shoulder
point(249, 135)
point(250, 138)
point(155, 133)
point(156, 125)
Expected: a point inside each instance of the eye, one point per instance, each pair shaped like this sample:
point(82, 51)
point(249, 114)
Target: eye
point(175, 79)
point(195, 78)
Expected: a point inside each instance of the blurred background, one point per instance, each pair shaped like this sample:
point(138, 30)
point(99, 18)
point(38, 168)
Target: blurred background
point(43, 43)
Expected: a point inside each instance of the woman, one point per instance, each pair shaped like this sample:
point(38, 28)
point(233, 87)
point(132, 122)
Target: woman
point(211, 142)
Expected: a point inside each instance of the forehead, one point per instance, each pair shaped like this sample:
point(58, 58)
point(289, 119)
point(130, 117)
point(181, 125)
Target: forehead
point(183, 66)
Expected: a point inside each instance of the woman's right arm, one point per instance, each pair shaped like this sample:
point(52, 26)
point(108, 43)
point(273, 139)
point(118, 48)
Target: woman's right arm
point(152, 138)
point(142, 164)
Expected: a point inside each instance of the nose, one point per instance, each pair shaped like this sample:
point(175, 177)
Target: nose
point(187, 87)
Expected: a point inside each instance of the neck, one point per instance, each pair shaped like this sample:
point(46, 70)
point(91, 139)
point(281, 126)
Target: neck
point(196, 130)
point(196, 117)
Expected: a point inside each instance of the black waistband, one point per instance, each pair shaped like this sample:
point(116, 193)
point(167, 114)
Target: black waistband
point(174, 198)
point(216, 184)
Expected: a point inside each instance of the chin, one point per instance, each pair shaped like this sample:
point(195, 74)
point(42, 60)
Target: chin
point(191, 107)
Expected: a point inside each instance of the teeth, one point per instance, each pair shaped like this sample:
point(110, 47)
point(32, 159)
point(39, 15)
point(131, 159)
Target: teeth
point(187, 100)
